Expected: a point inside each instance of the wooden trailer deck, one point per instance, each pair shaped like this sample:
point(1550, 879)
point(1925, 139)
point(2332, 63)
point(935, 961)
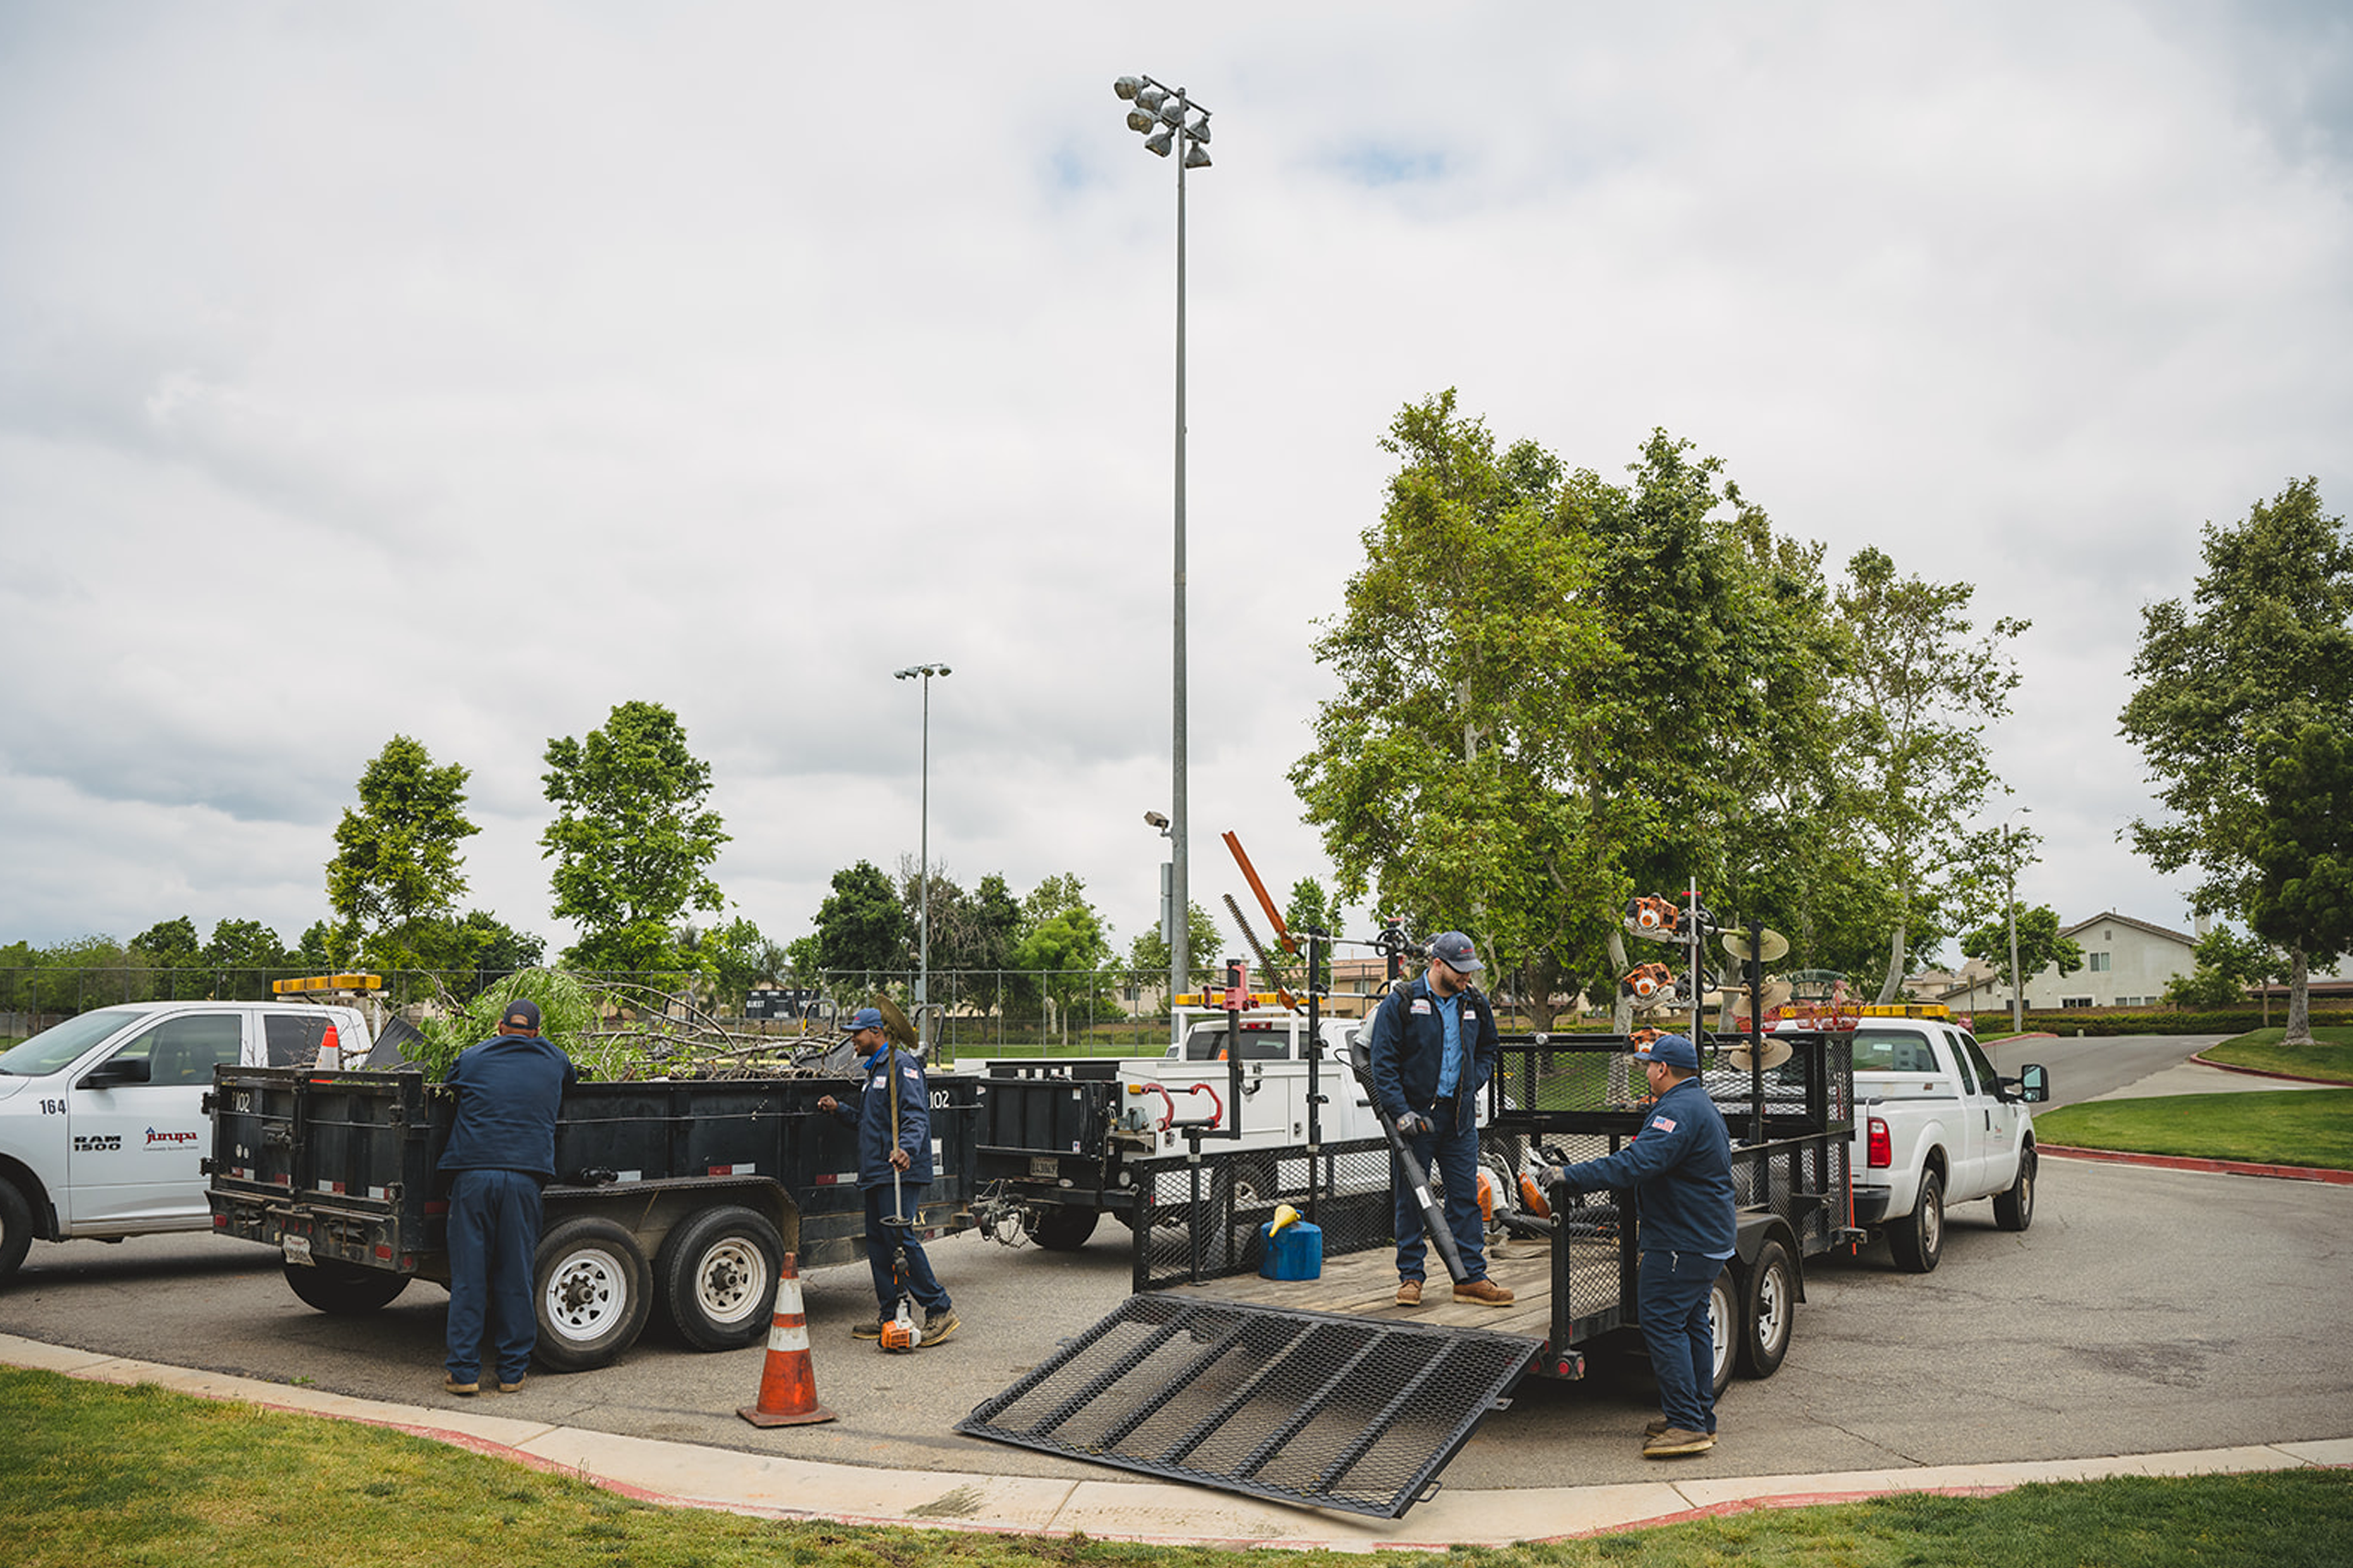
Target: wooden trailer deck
point(1364, 1284)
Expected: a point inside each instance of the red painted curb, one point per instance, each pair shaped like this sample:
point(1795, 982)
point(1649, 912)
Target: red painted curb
point(2202, 1060)
point(2190, 1163)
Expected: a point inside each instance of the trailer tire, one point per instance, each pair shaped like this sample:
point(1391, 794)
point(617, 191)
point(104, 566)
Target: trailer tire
point(719, 1273)
point(1772, 1309)
point(593, 1291)
point(1918, 1239)
point(1063, 1229)
point(1723, 1318)
point(16, 1228)
point(2014, 1210)
point(343, 1289)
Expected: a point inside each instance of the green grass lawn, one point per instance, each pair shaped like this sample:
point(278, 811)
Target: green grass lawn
point(139, 1477)
point(2329, 1056)
point(2289, 1127)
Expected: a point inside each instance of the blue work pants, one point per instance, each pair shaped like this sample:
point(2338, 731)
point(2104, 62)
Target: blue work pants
point(1451, 1155)
point(882, 1245)
point(1673, 1300)
point(494, 1234)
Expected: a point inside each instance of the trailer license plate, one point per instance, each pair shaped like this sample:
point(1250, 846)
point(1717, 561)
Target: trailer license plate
point(1045, 1168)
point(298, 1248)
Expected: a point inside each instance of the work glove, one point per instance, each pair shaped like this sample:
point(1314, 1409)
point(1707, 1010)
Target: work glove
point(1413, 1124)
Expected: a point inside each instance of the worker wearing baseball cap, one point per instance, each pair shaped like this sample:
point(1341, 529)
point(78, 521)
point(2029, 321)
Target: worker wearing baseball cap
point(1679, 1170)
point(501, 1152)
point(1433, 1046)
point(893, 1166)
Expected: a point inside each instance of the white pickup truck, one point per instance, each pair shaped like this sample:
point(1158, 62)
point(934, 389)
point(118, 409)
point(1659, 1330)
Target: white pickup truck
point(1935, 1125)
point(102, 1122)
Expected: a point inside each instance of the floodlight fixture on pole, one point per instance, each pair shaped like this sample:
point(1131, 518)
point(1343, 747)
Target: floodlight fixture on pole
point(923, 863)
point(1168, 117)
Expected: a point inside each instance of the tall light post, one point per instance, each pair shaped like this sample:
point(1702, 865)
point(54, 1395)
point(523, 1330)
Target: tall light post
point(1162, 116)
point(2010, 868)
point(923, 862)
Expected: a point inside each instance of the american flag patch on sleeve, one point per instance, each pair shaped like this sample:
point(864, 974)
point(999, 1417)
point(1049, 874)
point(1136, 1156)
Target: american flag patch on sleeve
point(1664, 1123)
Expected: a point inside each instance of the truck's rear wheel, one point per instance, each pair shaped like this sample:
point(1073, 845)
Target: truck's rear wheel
point(1724, 1318)
point(1918, 1239)
point(343, 1289)
point(1065, 1229)
point(593, 1292)
point(2014, 1210)
point(1771, 1314)
point(16, 1228)
point(718, 1274)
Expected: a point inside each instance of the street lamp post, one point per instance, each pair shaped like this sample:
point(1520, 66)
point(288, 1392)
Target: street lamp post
point(2010, 868)
point(1164, 117)
point(923, 862)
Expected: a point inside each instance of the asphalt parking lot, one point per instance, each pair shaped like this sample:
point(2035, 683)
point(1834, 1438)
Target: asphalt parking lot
point(2146, 1310)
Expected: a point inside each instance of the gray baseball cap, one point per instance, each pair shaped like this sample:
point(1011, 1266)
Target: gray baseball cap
point(1453, 950)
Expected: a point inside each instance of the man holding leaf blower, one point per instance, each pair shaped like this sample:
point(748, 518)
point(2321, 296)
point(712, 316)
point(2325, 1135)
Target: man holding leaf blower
point(1433, 1046)
point(893, 1120)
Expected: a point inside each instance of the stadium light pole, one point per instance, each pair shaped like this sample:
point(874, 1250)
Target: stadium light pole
point(1164, 117)
point(923, 852)
point(2018, 981)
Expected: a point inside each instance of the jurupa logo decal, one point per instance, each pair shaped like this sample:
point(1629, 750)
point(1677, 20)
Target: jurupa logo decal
point(169, 1140)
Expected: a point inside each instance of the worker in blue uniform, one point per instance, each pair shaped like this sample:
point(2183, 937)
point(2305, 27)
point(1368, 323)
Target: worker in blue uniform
point(501, 1152)
point(893, 1164)
point(1680, 1169)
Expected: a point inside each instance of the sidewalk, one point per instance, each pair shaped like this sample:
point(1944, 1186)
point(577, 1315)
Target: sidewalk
point(688, 1475)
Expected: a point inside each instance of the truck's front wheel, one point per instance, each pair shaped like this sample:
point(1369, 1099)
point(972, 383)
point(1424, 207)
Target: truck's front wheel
point(594, 1291)
point(719, 1277)
point(343, 1289)
point(1918, 1239)
point(2014, 1210)
point(16, 1228)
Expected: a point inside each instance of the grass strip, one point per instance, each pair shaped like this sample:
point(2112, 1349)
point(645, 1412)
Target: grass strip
point(2329, 1056)
point(2289, 1127)
point(137, 1476)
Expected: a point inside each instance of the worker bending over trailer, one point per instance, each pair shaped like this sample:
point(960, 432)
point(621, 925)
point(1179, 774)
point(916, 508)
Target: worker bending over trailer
point(1680, 1169)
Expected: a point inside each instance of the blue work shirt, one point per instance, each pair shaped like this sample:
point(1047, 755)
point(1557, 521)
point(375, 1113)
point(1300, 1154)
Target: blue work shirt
point(1680, 1169)
point(1449, 1021)
point(509, 1089)
point(1405, 1047)
point(871, 1116)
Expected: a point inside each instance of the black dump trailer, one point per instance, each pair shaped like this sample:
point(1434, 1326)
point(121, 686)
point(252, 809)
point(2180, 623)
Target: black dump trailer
point(680, 1196)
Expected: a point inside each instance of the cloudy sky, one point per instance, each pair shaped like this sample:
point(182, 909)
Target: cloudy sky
point(462, 371)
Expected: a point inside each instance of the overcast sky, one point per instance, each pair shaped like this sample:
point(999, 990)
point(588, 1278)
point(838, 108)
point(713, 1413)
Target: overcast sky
point(462, 371)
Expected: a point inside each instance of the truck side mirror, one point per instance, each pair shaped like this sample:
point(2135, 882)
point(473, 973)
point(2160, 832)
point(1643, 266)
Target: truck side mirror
point(115, 1071)
point(2034, 1083)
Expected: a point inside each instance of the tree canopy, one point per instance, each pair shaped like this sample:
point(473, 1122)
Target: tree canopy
point(632, 840)
point(2302, 855)
point(2041, 945)
point(397, 873)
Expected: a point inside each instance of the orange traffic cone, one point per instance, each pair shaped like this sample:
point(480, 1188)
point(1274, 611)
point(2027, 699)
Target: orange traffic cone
point(788, 1382)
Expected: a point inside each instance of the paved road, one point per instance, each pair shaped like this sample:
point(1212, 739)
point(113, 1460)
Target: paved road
point(2147, 1309)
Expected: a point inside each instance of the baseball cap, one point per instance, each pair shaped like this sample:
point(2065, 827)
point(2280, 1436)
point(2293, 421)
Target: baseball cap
point(1453, 950)
point(867, 1018)
point(522, 1015)
point(1673, 1049)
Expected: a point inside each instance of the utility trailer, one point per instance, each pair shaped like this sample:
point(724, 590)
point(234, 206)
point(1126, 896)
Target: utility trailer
point(677, 1195)
point(1326, 1391)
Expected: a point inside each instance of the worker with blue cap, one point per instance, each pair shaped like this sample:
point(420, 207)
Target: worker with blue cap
point(1680, 1169)
point(891, 1157)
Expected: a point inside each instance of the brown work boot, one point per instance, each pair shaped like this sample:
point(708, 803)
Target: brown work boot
point(1409, 1292)
point(1678, 1440)
point(1482, 1292)
point(1656, 1427)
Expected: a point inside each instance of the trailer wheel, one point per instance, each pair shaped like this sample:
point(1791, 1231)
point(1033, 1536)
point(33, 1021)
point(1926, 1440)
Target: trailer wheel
point(1063, 1229)
point(1771, 1317)
point(594, 1292)
point(16, 1228)
point(2014, 1210)
point(719, 1273)
point(1918, 1239)
point(1723, 1321)
point(343, 1289)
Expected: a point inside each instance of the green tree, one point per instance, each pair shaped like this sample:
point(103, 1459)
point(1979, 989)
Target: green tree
point(1920, 688)
point(2041, 945)
point(1064, 943)
point(242, 955)
point(1148, 953)
point(2226, 965)
point(862, 928)
point(2302, 853)
point(490, 949)
point(738, 957)
point(2264, 644)
point(397, 873)
point(173, 947)
point(632, 840)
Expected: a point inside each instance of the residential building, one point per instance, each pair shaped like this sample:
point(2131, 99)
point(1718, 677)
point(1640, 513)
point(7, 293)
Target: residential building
point(2126, 964)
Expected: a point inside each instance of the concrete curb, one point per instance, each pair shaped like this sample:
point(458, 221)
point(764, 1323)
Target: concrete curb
point(767, 1487)
point(2204, 1060)
point(2191, 1162)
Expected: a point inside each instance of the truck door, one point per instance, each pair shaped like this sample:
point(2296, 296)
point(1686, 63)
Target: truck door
point(135, 1148)
point(2001, 1120)
point(1974, 1135)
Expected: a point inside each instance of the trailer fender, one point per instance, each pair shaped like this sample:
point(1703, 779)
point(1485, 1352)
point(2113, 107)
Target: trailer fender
point(1754, 1231)
point(650, 1209)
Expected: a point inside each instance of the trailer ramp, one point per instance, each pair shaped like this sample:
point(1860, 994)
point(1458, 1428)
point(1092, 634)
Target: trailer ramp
point(1333, 1412)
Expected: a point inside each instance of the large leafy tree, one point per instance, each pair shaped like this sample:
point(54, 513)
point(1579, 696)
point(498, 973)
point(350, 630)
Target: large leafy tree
point(1064, 942)
point(397, 873)
point(1148, 953)
point(2264, 645)
point(241, 954)
point(2303, 853)
point(862, 928)
point(2041, 945)
point(632, 840)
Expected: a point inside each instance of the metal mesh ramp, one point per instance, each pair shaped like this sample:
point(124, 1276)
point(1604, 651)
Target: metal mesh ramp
point(1301, 1408)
